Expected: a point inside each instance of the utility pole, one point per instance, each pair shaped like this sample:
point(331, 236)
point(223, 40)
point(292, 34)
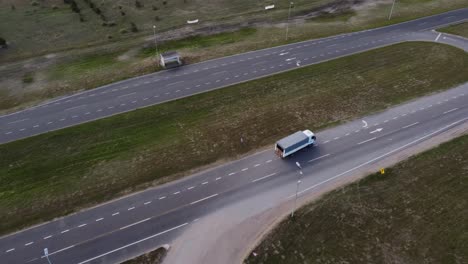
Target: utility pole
point(291, 4)
point(391, 10)
point(155, 42)
point(297, 188)
point(46, 254)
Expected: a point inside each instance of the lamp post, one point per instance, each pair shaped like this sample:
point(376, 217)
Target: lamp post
point(291, 4)
point(391, 10)
point(155, 42)
point(297, 188)
point(46, 254)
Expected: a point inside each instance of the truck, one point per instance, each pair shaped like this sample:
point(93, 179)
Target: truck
point(294, 142)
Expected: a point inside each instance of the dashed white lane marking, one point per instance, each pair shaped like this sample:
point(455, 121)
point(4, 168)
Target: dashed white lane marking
point(114, 214)
point(75, 107)
point(365, 141)
point(136, 223)
point(217, 179)
point(22, 129)
point(395, 117)
point(385, 121)
point(10, 250)
point(8, 133)
point(65, 231)
point(438, 36)
point(451, 110)
point(99, 110)
point(264, 177)
point(232, 173)
point(326, 141)
point(28, 244)
point(82, 225)
point(176, 193)
point(244, 169)
point(126, 95)
point(203, 199)
point(131, 208)
point(190, 188)
point(203, 183)
point(134, 243)
point(75, 116)
point(321, 157)
point(17, 121)
point(356, 131)
point(268, 161)
point(256, 165)
point(47, 237)
point(218, 72)
point(162, 197)
point(174, 83)
point(87, 113)
point(415, 123)
point(99, 219)
point(336, 138)
point(146, 203)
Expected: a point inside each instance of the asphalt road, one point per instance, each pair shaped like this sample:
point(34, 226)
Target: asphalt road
point(188, 80)
point(126, 227)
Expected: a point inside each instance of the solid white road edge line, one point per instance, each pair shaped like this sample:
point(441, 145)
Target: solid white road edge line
point(203, 199)
point(134, 243)
point(264, 177)
point(380, 157)
point(415, 123)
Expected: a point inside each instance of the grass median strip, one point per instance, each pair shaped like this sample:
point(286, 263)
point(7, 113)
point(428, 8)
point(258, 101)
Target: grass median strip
point(60, 172)
point(458, 29)
point(414, 213)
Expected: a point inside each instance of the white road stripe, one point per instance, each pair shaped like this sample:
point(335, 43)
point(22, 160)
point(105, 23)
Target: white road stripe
point(415, 123)
point(204, 183)
point(256, 165)
point(203, 199)
point(451, 110)
point(326, 155)
point(176, 193)
point(264, 177)
point(82, 225)
point(99, 219)
point(29, 243)
point(190, 188)
point(134, 243)
point(268, 161)
point(217, 179)
point(244, 169)
point(174, 83)
point(47, 237)
point(162, 197)
point(232, 173)
point(9, 250)
point(131, 208)
point(17, 121)
point(114, 214)
point(126, 95)
point(136, 223)
point(146, 203)
point(365, 141)
point(65, 231)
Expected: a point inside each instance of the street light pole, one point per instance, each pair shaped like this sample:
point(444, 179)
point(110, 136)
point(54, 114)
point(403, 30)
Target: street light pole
point(297, 188)
point(46, 254)
point(289, 15)
point(391, 10)
point(155, 42)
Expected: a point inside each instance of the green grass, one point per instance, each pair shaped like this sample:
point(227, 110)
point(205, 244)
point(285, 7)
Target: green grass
point(154, 257)
point(84, 65)
point(415, 213)
point(199, 42)
point(59, 172)
point(459, 29)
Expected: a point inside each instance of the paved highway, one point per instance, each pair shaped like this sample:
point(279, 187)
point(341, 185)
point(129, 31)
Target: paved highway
point(188, 80)
point(116, 230)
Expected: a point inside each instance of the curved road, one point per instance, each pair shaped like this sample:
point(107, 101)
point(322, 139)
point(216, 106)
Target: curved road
point(126, 227)
point(188, 80)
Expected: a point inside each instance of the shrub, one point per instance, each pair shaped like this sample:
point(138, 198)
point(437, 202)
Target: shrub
point(34, 3)
point(122, 13)
point(133, 27)
point(138, 4)
point(28, 77)
point(123, 31)
point(155, 8)
point(3, 43)
point(156, 18)
point(54, 7)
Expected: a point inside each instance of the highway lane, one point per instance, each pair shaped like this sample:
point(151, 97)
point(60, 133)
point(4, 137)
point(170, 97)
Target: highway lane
point(120, 223)
point(188, 80)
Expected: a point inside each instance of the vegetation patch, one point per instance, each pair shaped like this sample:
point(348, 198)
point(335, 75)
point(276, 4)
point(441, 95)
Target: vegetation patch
point(53, 174)
point(154, 257)
point(414, 213)
point(458, 29)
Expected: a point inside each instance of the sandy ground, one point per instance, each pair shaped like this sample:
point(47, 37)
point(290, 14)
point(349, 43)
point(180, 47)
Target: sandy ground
point(224, 238)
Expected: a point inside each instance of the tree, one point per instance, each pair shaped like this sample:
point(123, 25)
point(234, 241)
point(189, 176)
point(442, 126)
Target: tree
point(3, 43)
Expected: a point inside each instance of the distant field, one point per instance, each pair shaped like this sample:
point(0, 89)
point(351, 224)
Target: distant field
point(94, 53)
point(415, 213)
point(59, 172)
point(459, 29)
